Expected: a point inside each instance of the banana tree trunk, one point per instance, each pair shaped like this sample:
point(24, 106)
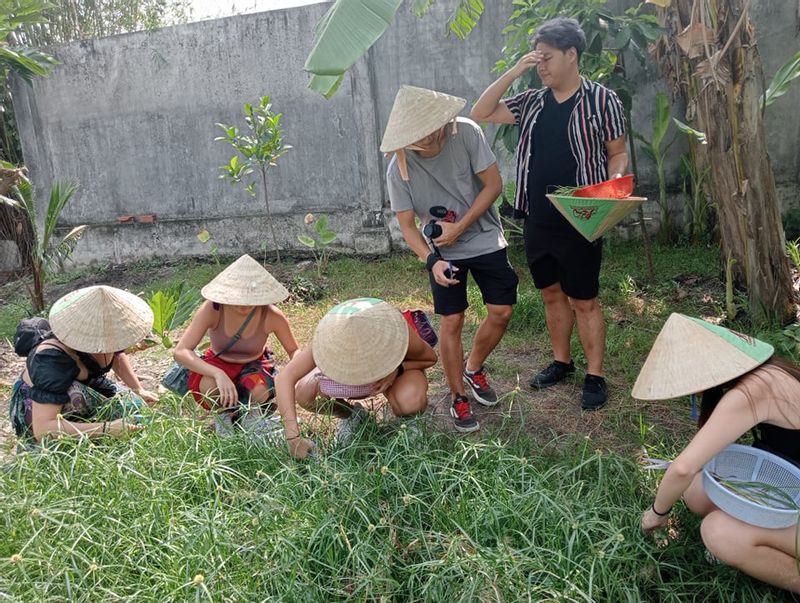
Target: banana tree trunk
point(711, 57)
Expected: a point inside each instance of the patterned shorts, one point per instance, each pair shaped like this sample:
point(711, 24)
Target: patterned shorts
point(98, 400)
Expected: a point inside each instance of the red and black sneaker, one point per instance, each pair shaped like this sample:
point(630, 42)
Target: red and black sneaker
point(461, 410)
point(478, 384)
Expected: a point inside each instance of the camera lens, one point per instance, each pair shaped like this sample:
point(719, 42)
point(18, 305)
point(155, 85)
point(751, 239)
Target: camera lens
point(432, 230)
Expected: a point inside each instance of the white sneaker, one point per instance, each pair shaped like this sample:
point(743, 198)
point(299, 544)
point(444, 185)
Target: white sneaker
point(263, 427)
point(346, 428)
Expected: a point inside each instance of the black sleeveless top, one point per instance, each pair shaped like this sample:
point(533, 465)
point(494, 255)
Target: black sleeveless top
point(52, 371)
point(778, 440)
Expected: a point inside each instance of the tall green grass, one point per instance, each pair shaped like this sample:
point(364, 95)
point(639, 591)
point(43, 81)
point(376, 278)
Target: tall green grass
point(175, 513)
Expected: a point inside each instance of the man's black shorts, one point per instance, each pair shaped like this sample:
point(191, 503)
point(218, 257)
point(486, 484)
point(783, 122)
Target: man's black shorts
point(564, 256)
point(492, 273)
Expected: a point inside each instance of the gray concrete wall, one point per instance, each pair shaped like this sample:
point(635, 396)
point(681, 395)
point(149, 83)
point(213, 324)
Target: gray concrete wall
point(131, 118)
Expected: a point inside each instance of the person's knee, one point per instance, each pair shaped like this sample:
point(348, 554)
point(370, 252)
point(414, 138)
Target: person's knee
point(451, 324)
point(306, 392)
point(696, 499)
point(721, 537)
point(410, 397)
point(554, 295)
point(500, 314)
point(586, 306)
point(259, 395)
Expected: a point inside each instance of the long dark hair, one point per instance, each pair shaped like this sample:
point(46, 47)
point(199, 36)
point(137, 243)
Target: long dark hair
point(711, 397)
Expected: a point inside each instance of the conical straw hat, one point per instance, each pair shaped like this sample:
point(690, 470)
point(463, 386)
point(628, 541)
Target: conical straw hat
point(594, 217)
point(416, 113)
point(245, 283)
point(360, 341)
point(100, 319)
point(691, 355)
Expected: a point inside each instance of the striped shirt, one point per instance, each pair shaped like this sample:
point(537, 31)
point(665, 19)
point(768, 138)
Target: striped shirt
point(597, 118)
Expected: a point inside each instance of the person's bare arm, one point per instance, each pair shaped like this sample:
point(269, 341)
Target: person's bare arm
point(417, 243)
point(46, 419)
point(490, 108)
point(124, 370)
point(617, 157)
point(731, 419)
point(290, 375)
point(419, 355)
point(279, 324)
point(492, 187)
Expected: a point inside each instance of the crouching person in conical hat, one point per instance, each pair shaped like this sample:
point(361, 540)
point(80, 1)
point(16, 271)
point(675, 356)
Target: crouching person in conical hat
point(361, 347)
point(743, 388)
point(63, 389)
point(236, 374)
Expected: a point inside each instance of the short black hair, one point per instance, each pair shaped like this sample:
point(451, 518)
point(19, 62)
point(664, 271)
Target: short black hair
point(562, 33)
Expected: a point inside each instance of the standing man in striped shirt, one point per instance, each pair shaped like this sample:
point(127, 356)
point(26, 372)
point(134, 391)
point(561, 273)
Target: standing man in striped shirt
point(572, 133)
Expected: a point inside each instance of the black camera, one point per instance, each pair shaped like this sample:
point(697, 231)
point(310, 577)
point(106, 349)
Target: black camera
point(432, 230)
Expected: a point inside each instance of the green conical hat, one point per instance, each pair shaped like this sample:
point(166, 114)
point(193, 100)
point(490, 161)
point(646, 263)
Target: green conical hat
point(360, 341)
point(691, 355)
point(594, 217)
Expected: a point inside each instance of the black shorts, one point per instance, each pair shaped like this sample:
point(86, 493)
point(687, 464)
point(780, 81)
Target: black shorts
point(492, 273)
point(565, 257)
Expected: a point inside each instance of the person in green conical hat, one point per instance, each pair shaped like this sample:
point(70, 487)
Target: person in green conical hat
point(361, 348)
point(744, 387)
point(571, 133)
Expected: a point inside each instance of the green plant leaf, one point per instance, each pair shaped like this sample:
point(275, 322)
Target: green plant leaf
point(321, 224)
point(307, 241)
point(343, 35)
point(163, 306)
point(465, 17)
point(782, 80)
point(327, 237)
point(203, 236)
point(700, 136)
point(661, 120)
point(187, 299)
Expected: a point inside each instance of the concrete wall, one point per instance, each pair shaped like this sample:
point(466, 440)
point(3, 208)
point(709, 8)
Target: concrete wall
point(131, 118)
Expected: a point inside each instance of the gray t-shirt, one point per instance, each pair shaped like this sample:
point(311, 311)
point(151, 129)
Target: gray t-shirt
point(449, 180)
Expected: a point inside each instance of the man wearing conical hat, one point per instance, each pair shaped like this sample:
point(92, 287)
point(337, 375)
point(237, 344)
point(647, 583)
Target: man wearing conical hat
point(572, 133)
point(744, 389)
point(444, 173)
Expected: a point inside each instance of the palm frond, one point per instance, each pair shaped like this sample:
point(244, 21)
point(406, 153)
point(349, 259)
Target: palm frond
point(11, 202)
point(465, 17)
point(60, 195)
point(421, 7)
point(55, 258)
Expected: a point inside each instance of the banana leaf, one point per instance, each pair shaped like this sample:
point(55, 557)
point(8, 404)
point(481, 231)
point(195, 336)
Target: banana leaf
point(343, 35)
point(351, 27)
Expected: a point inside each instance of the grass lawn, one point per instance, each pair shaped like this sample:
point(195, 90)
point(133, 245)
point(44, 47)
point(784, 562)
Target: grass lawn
point(542, 504)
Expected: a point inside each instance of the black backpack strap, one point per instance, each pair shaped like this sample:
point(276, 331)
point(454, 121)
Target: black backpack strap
point(238, 334)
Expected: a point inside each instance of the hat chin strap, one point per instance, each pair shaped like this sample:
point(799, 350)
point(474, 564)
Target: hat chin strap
point(402, 164)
